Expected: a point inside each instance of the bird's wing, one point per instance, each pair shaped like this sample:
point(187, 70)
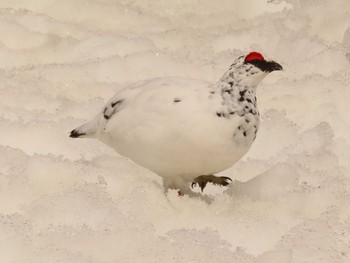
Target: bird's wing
point(154, 96)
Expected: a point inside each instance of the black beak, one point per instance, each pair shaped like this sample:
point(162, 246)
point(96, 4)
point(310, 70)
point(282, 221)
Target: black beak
point(266, 66)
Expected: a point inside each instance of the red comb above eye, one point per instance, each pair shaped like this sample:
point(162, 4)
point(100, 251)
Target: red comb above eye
point(254, 56)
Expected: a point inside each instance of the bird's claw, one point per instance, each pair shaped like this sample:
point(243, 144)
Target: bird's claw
point(216, 180)
point(201, 184)
point(226, 181)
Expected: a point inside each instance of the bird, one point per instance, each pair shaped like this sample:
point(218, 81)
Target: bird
point(185, 130)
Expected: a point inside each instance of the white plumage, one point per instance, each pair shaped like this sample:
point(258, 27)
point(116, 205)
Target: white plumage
point(184, 128)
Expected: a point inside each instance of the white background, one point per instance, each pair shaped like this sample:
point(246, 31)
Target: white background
point(65, 200)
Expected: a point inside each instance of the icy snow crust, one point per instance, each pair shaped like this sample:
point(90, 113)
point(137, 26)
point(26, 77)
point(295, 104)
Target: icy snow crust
point(65, 200)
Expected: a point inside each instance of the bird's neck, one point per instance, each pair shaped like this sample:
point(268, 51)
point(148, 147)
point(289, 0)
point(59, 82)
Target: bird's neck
point(238, 96)
point(241, 78)
point(234, 85)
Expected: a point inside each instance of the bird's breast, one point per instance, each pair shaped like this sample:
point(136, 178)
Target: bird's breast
point(246, 130)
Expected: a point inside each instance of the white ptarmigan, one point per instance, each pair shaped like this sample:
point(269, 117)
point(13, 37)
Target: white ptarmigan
point(182, 129)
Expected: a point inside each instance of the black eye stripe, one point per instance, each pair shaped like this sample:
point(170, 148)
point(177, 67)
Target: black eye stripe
point(263, 65)
point(255, 62)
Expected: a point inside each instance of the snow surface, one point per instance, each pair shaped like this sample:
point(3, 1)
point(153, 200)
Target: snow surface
point(65, 200)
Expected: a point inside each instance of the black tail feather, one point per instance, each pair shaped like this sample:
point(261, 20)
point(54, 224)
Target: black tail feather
point(75, 134)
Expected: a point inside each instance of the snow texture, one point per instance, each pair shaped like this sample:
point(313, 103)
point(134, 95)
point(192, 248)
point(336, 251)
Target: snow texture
point(65, 200)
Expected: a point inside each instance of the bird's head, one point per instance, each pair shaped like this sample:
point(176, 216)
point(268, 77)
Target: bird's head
point(250, 69)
